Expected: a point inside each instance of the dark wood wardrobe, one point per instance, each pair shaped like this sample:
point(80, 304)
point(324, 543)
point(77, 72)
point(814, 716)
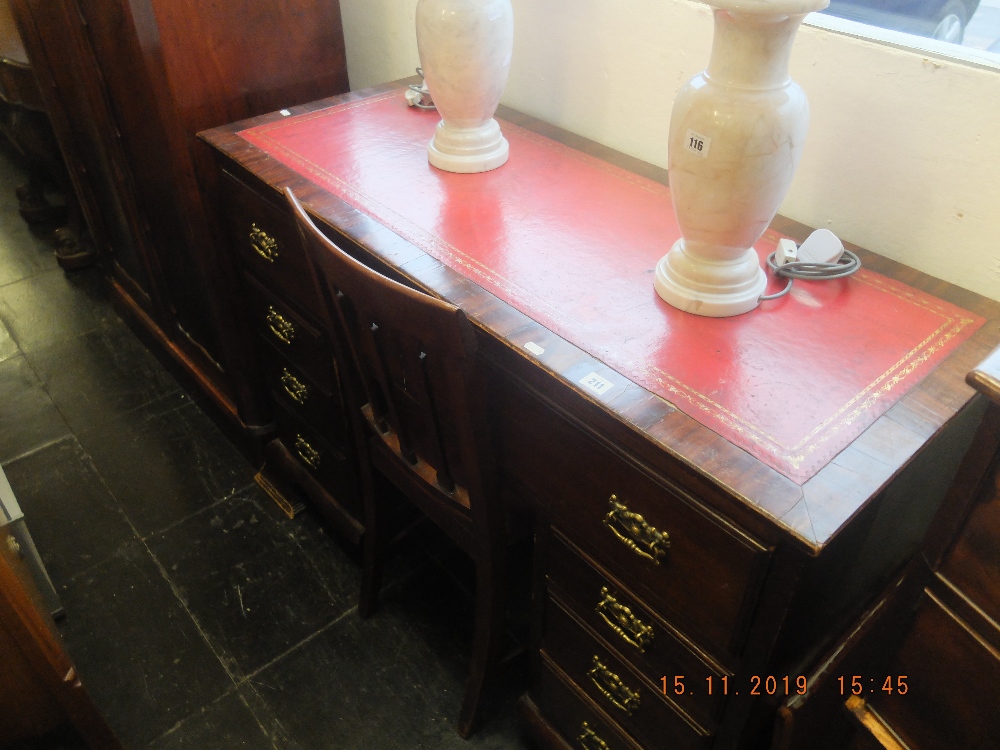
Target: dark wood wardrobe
point(127, 84)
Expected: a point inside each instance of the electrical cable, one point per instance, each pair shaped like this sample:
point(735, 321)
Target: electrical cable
point(421, 89)
point(802, 269)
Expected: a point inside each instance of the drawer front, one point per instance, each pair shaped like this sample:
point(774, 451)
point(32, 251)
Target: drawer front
point(268, 243)
point(698, 571)
point(573, 716)
point(638, 708)
point(301, 396)
point(328, 465)
point(634, 632)
point(290, 334)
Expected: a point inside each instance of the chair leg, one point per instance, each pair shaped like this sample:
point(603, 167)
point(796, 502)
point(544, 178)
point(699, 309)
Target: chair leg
point(375, 545)
point(491, 600)
point(371, 577)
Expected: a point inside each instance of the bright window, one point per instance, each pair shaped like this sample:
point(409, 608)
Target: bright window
point(974, 24)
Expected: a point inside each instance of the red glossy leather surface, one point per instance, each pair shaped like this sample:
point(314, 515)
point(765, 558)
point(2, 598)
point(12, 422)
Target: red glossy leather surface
point(572, 241)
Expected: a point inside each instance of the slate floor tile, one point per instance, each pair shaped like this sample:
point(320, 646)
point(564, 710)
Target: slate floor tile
point(50, 306)
point(24, 251)
point(139, 653)
point(165, 461)
point(102, 373)
point(337, 565)
point(247, 582)
point(28, 418)
point(73, 519)
point(225, 724)
point(8, 347)
point(393, 681)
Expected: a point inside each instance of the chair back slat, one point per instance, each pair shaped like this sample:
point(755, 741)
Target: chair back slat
point(414, 354)
point(440, 459)
point(379, 363)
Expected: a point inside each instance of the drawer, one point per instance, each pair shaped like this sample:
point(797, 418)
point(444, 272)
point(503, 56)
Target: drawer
point(635, 705)
point(643, 640)
point(331, 467)
point(573, 715)
point(268, 243)
point(701, 573)
point(304, 398)
point(290, 334)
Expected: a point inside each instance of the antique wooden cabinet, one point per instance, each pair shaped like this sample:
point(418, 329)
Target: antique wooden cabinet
point(684, 587)
point(127, 84)
point(42, 701)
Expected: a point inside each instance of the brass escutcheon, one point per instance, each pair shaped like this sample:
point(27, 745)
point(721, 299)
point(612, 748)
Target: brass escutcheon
point(620, 619)
point(633, 531)
point(15, 547)
point(589, 739)
point(612, 687)
point(306, 452)
point(295, 388)
point(263, 244)
point(280, 326)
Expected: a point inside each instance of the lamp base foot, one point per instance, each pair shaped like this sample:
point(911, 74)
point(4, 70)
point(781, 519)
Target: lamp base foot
point(713, 288)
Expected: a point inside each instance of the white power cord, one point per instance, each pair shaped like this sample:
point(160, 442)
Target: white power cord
point(418, 95)
point(821, 256)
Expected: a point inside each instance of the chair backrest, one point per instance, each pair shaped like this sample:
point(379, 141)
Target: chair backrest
point(416, 357)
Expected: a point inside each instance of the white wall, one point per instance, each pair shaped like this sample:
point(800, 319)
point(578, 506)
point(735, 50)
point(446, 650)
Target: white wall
point(903, 154)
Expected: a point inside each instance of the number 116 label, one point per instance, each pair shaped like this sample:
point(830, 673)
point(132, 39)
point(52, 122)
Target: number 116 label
point(697, 143)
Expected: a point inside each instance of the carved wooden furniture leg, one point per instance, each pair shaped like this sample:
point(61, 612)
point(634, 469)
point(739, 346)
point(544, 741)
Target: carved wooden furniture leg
point(33, 206)
point(26, 125)
point(71, 250)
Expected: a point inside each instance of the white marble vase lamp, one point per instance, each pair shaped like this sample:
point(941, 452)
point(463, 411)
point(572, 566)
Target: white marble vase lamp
point(736, 135)
point(465, 48)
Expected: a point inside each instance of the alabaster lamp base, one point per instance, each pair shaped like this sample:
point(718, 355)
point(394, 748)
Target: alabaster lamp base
point(715, 288)
point(468, 150)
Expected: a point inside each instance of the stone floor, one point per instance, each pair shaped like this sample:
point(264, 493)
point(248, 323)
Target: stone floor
point(197, 614)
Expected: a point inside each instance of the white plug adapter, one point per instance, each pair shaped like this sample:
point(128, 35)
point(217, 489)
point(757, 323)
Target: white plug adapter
point(787, 252)
point(822, 246)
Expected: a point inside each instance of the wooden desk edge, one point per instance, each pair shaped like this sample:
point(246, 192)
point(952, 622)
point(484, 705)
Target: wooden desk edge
point(986, 377)
point(771, 499)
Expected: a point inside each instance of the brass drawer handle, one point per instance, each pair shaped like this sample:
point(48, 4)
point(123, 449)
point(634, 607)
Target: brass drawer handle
point(263, 244)
point(295, 388)
point(635, 533)
point(280, 326)
point(589, 739)
point(307, 453)
point(612, 687)
point(620, 619)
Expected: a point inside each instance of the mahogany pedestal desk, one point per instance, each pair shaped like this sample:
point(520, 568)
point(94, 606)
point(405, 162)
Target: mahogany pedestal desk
point(688, 572)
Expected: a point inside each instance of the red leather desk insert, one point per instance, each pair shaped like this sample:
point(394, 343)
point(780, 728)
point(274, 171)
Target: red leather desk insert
point(572, 241)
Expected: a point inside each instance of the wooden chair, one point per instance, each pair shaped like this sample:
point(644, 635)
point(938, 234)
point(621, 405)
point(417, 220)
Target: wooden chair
point(424, 429)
